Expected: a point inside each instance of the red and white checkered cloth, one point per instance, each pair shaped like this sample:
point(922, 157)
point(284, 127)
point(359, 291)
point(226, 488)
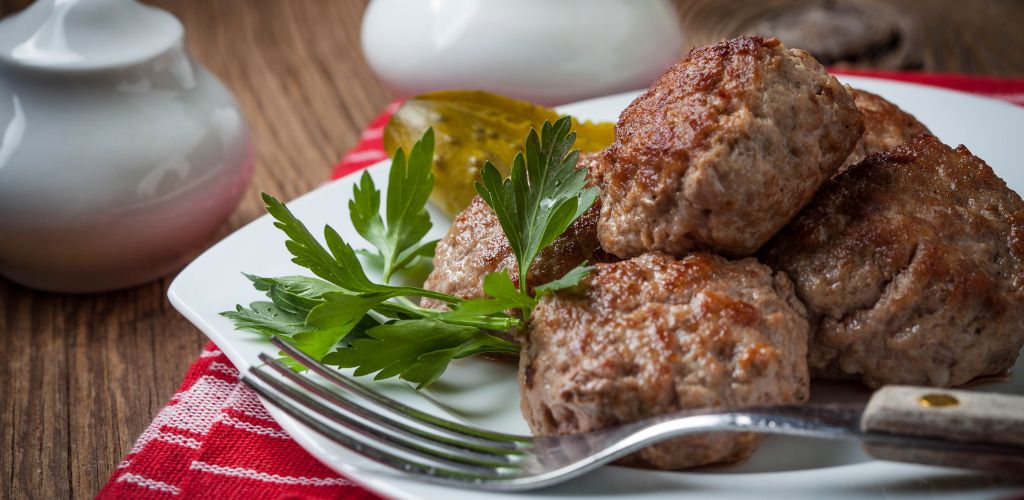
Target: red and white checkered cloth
point(215, 440)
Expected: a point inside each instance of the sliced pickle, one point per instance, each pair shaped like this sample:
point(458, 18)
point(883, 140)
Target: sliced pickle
point(471, 127)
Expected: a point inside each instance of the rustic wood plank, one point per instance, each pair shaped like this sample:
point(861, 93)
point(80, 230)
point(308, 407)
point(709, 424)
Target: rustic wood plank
point(955, 36)
point(82, 376)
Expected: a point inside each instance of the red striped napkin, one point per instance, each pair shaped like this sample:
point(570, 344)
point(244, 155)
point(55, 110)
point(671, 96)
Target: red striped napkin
point(215, 440)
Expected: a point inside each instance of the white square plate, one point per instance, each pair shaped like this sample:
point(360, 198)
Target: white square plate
point(485, 393)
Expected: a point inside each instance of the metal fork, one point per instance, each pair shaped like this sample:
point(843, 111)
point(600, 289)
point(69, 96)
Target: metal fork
point(957, 428)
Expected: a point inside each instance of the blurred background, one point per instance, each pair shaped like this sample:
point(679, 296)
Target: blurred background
point(83, 375)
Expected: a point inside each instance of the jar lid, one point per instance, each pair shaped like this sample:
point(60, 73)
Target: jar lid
point(87, 34)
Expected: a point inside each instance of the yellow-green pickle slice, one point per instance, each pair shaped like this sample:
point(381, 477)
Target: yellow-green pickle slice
point(471, 127)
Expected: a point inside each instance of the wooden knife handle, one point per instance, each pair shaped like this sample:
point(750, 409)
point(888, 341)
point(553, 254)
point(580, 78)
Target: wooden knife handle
point(949, 415)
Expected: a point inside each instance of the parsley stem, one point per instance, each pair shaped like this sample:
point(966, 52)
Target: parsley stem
point(522, 280)
point(408, 309)
point(411, 291)
point(524, 311)
point(487, 323)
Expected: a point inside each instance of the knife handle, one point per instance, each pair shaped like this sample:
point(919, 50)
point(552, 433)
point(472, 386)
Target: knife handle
point(949, 415)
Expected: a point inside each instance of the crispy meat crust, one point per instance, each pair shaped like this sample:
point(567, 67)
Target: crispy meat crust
point(653, 335)
point(723, 150)
point(911, 264)
point(885, 127)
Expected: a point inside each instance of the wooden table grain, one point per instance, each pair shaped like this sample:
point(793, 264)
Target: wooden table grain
point(82, 375)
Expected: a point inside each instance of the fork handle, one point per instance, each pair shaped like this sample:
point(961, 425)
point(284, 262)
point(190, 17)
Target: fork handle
point(950, 415)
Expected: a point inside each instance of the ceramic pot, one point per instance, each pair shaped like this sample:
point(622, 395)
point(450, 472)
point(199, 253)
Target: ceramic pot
point(119, 155)
point(545, 51)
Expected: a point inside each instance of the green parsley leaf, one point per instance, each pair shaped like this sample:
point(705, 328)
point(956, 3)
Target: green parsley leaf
point(407, 221)
point(499, 285)
point(304, 286)
point(568, 280)
point(372, 258)
point(411, 255)
point(337, 314)
point(293, 303)
point(340, 266)
point(543, 195)
point(267, 319)
point(416, 350)
point(408, 259)
point(502, 295)
point(364, 210)
point(295, 294)
point(342, 311)
point(317, 343)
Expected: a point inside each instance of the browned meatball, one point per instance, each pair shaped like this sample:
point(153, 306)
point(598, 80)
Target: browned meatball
point(653, 335)
point(911, 264)
point(723, 150)
point(475, 246)
point(885, 126)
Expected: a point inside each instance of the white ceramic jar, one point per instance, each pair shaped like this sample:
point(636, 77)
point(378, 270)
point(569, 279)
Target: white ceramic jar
point(544, 51)
point(119, 156)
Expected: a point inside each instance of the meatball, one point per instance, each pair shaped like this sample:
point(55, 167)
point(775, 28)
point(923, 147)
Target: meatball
point(885, 126)
point(475, 246)
point(911, 265)
point(653, 335)
point(723, 150)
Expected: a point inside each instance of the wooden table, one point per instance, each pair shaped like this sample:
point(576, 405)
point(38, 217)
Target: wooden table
point(82, 376)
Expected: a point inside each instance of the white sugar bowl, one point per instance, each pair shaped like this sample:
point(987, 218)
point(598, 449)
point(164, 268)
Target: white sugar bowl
point(119, 155)
point(545, 51)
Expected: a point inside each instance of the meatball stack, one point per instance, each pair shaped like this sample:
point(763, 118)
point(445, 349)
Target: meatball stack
point(907, 267)
point(911, 264)
point(718, 155)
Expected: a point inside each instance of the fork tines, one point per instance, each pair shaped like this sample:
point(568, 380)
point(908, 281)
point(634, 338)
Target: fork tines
point(383, 429)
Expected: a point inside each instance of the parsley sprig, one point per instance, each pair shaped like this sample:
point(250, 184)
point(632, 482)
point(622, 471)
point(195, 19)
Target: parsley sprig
point(409, 185)
point(543, 196)
point(343, 318)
